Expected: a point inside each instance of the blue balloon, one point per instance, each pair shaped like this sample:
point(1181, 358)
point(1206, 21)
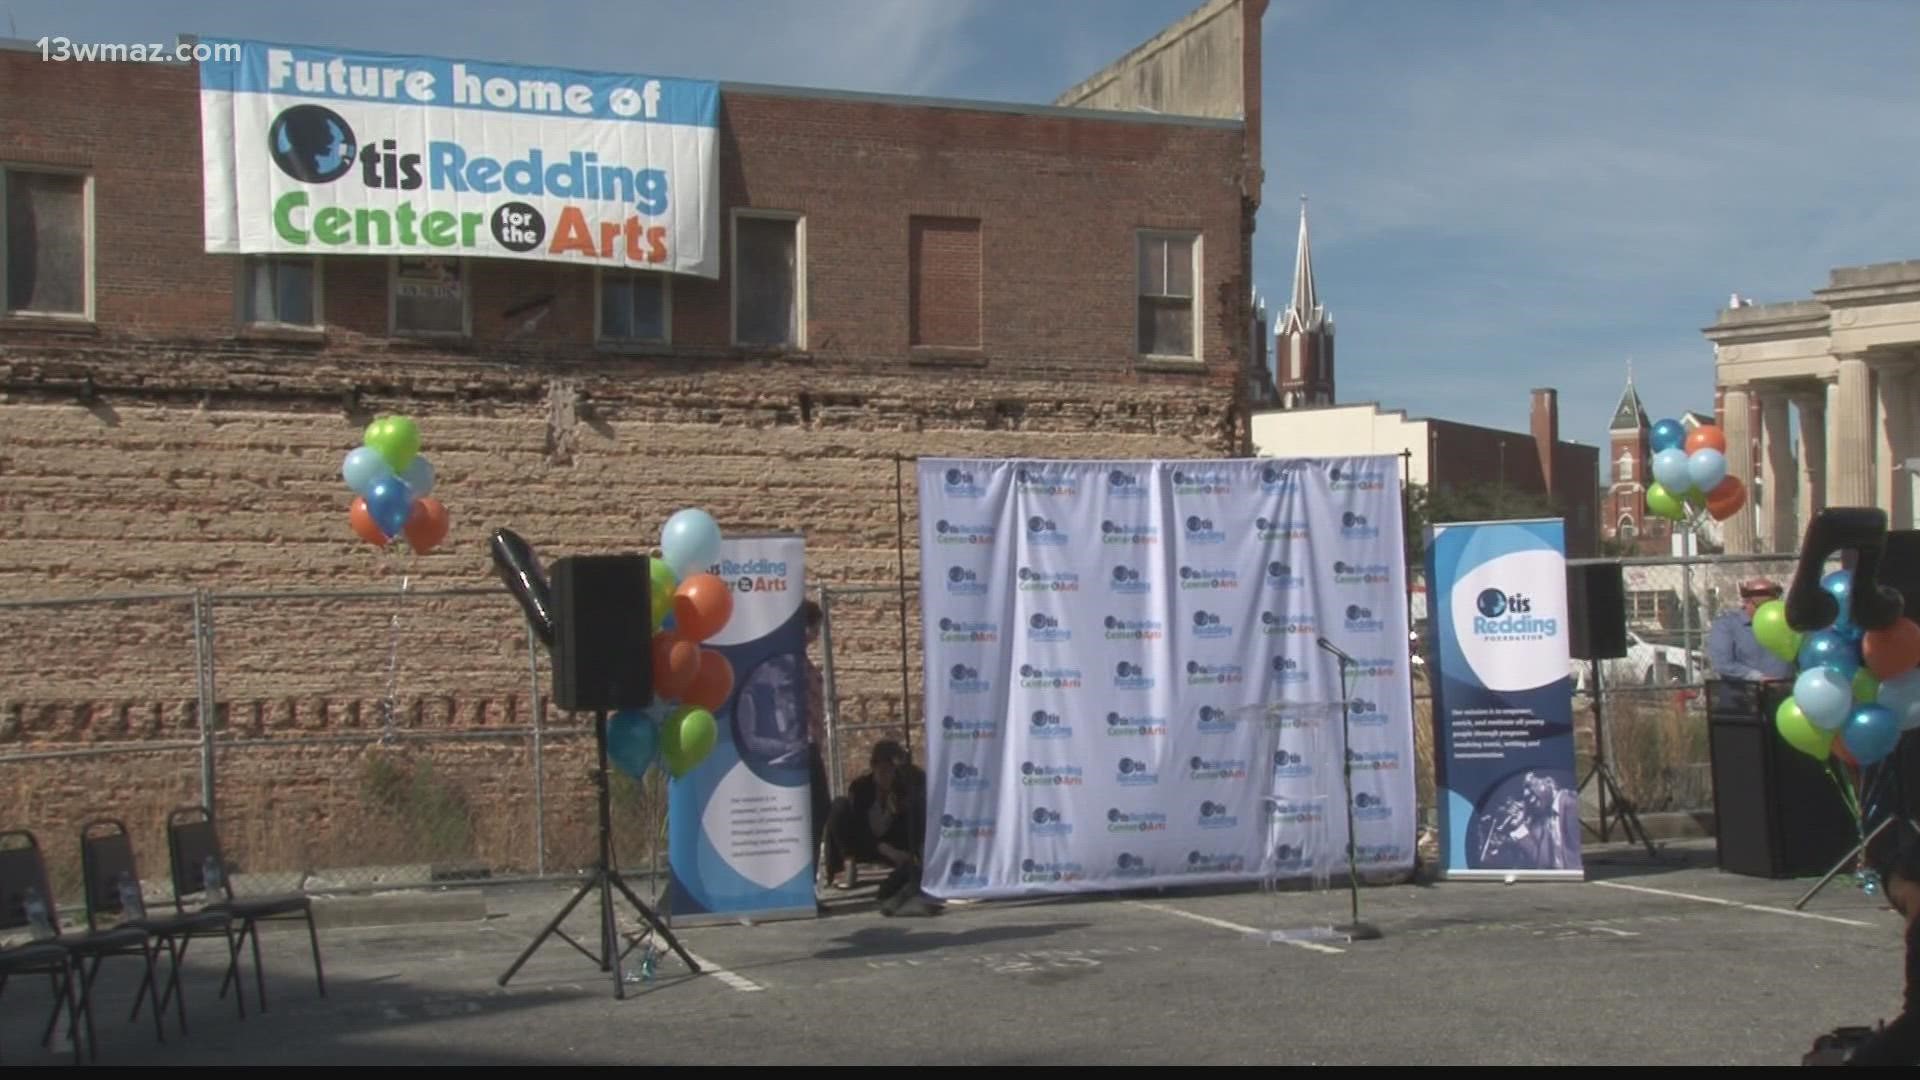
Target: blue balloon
point(1871, 733)
point(633, 741)
point(1671, 469)
point(364, 468)
point(1669, 435)
point(389, 504)
point(1825, 696)
point(419, 476)
point(1706, 468)
point(690, 542)
point(1902, 694)
point(1839, 585)
point(1831, 650)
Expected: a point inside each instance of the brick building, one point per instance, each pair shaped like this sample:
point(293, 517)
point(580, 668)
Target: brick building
point(899, 278)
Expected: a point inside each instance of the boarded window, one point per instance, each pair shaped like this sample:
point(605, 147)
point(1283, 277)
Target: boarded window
point(944, 285)
point(46, 236)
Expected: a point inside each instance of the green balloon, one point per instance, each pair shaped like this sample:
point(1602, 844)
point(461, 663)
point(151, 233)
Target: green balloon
point(1866, 687)
point(1663, 503)
point(396, 439)
point(660, 591)
point(1770, 629)
point(686, 738)
point(1800, 733)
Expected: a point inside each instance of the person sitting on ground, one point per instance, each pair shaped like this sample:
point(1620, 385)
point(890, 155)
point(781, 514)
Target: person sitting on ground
point(882, 818)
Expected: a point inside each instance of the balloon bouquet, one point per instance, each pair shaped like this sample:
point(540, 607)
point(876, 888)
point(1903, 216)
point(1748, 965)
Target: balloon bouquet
point(690, 681)
point(1857, 690)
point(392, 486)
point(1690, 474)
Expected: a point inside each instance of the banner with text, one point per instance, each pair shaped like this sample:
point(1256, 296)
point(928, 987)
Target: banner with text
point(1112, 653)
point(1503, 700)
point(739, 826)
point(313, 151)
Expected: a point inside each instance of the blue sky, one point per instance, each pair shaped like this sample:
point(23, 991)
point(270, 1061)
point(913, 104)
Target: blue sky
point(1504, 194)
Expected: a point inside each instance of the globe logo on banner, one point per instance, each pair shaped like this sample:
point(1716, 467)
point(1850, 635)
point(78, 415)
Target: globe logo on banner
point(1046, 629)
point(1052, 481)
point(1033, 775)
point(1036, 580)
point(1512, 639)
point(1200, 768)
point(953, 729)
point(1365, 712)
point(1279, 479)
point(1120, 725)
point(1379, 854)
point(1132, 772)
point(1043, 724)
point(1128, 865)
point(1361, 620)
point(1342, 478)
point(966, 777)
point(1119, 629)
point(1370, 807)
point(958, 827)
point(1280, 576)
point(1271, 530)
point(1122, 484)
point(1037, 677)
point(1044, 532)
point(1373, 760)
point(1356, 527)
point(1128, 675)
point(1214, 720)
point(960, 484)
point(1289, 623)
point(1200, 530)
point(1199, 674)
point(1291, 858)
point(954, 534)
point(1217, 815)
point(1044, 821)
point(1135, 821)
point(1129, 581)
point(1211, 626)
point(1208, 578)
point(312, 143)
point(965, 679)
point(1290, 765)
point(1036, 872)
point(1120, 532)
point(1287, 671)
point(1355, 574)
point(1214, 862)
point(1188, 482)
point(965, 875)
point(965, 631)
point(962, 581)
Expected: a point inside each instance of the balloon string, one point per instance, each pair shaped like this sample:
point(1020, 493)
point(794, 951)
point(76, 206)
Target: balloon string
point(393, 658)
point(1846, 793)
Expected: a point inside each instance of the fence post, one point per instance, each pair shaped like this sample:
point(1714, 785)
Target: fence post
point(539, 760)
point(204, 688)
point(1686, 618)
point(832, 702)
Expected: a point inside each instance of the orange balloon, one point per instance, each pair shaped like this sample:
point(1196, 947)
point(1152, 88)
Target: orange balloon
point(675, 663)
point(1707, 437)
point(1893, 651)
point(427, 525)
point(713, 685)
point(1726, 499)
point(363, 525)
point(701, 607)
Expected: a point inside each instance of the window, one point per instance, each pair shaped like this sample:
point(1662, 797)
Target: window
point(430, 297)
point(47, 233)
point(943, 288)
point(769, 279)
point(1168, 268)
point(280, 291)
point(634, 307)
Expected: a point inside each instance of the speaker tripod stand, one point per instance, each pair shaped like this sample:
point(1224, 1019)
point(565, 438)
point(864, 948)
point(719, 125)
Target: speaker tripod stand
point(604, 879)
point(1858, 854)
point(1609, 784)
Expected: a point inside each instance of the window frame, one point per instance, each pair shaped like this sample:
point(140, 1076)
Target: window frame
point(799, 219)
point(89, 269)
point(393, 303)
point(601, 340)
point(1140, 238)
point(241, 280)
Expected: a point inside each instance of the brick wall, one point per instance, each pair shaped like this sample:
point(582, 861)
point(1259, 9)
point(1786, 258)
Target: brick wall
point(160, 448)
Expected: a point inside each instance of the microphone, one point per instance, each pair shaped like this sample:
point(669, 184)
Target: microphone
point(1335, 650)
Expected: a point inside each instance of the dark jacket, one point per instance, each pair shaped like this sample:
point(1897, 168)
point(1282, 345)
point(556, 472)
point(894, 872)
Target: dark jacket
point(1899, 1042)
point(909, 827)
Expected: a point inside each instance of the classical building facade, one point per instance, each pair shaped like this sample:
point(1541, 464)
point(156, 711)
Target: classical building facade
point(1842, 370)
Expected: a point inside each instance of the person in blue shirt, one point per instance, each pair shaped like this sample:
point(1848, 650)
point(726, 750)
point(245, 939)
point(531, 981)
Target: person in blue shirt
point(1731, 647)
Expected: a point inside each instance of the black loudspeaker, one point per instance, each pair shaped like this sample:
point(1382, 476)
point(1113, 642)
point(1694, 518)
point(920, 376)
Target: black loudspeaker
point(1596, 612)
point(1776, 811)
point(602, 648)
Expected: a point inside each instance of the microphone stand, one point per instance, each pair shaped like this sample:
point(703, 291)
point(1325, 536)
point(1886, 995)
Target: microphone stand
point(1355, 930)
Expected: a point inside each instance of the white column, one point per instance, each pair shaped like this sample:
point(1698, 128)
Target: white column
point(1893, 398)
point(1850, 472)
point(1813, 461)
point(1739, 529)
point(1776, 471)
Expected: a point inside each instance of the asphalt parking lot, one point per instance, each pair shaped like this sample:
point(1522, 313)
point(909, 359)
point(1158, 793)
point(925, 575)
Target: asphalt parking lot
point(1663, 961)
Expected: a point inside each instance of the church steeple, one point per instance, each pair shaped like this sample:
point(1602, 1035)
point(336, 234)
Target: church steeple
point(1630, 415)
point(1303, 342)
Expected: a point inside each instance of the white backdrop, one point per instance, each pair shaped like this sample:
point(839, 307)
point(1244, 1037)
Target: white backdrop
point(1104, 641)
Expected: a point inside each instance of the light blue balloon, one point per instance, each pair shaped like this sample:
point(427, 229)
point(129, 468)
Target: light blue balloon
point(390, 504)
point(1901, 694)
point(1871, 733)
point(1706, 468)
point(419, 476)
point(364, 468)
point(690, 542)
point(633, 741)
point(1825, 696)
point(1668, 435)
point(1670, 468)
point(1832, 650)
point(1839, 585)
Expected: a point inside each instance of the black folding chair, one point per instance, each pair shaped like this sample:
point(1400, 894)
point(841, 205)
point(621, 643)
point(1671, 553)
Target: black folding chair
point(113, 889)
point(25, 903)
point(193, 845)
point(24, 893)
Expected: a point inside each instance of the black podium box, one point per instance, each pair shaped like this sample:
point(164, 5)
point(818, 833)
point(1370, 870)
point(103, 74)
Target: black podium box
point(1777, 814)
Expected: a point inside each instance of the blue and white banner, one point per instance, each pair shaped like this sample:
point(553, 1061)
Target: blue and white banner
point(739, 826)
point(1503, 701)
point(1108, 644)
point(316, 151)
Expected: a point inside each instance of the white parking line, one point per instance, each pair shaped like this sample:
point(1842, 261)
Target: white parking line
point(738, 982)
point(1734, 904)
point(1222, 924)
